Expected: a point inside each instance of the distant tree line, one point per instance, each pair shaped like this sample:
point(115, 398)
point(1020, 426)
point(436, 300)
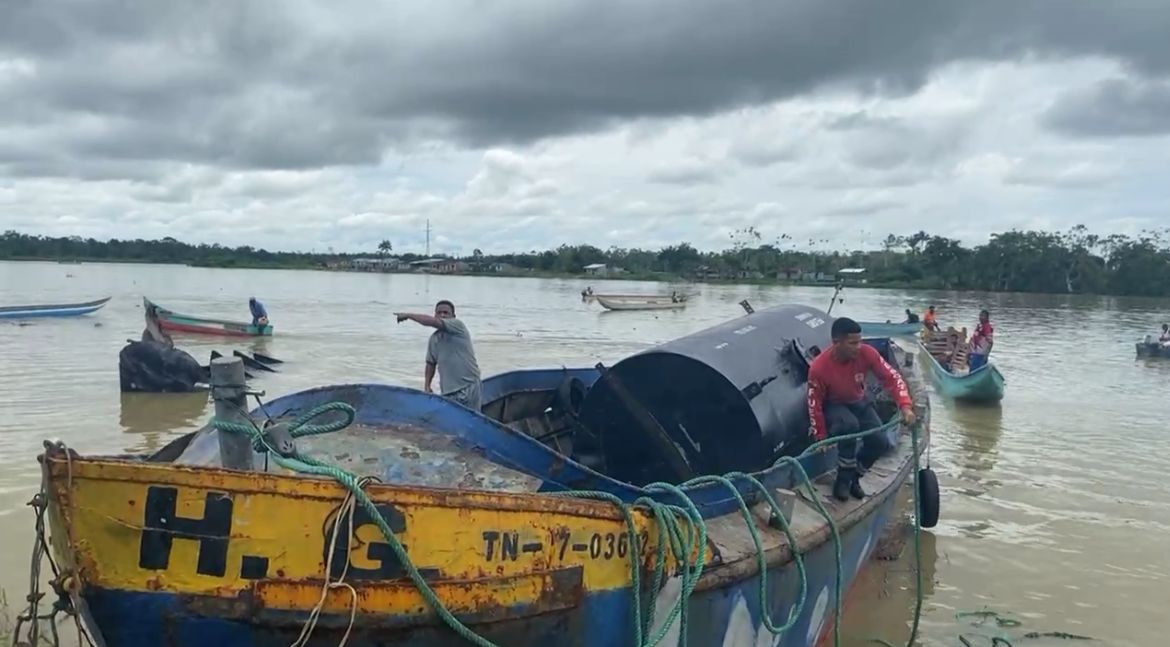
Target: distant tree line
point(1073, 262)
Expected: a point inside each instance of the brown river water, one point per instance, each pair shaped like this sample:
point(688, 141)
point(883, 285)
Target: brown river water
point(1055, 504)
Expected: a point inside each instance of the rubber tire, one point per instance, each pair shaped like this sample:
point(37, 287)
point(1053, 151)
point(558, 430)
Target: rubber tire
point(571, 395)
point(928, 497)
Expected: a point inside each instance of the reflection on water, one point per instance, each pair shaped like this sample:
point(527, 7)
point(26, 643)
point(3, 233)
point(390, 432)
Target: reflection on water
point(1055, 504)
point(154, 416)
point(978, 430)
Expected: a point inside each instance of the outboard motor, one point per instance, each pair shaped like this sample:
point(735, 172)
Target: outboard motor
point(732, 397)
point(157, 368)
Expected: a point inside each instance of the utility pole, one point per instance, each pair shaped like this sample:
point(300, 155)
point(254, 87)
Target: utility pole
point(428, 237)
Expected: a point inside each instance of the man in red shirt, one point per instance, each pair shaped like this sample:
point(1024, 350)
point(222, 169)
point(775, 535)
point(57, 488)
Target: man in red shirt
point(981, 341)
point(837, 404)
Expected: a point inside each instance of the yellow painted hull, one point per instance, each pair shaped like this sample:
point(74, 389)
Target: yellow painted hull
point(256, 541)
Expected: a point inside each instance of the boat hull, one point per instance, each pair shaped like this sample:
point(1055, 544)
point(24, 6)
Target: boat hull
point(1151, 350)
point(197, 557)
point(175, 322)
point(640, 304)
point(169, 553)
point(886, 329)
point(722, 616)
point(985, 384)
point(58, 310)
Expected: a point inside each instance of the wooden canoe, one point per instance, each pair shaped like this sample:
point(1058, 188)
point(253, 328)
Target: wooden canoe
point(170, 320)
point(641, 303)
point(947, 353)
point(51, 310)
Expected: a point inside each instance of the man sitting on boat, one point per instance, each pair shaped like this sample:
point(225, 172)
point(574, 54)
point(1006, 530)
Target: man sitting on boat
point(838, 406)
point(910, 317)
point(450, 351)
point(259, 314)
point(981, 341)
point(1165, 338)
point(928, 320)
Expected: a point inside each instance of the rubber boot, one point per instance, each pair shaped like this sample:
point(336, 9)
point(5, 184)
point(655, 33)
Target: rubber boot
point(855, 487)
point(843, 486)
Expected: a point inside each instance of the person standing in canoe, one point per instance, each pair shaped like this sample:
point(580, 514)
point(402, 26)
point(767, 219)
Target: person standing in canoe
point(981, 341)
point(451, 352)
point(838, 406)
point(259, 314)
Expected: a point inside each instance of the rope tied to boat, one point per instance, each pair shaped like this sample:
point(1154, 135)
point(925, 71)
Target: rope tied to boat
point(681, 530)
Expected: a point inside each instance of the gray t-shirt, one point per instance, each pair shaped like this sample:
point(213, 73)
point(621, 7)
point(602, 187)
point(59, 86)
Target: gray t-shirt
point(450, 350)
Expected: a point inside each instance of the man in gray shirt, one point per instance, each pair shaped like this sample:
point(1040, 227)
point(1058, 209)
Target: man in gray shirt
point(451, 352)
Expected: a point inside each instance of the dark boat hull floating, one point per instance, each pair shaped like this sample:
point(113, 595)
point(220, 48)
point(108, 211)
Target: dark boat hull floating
point(1149, 349)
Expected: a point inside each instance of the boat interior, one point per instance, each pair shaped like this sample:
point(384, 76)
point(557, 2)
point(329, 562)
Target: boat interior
point(528, 437)
point(949, 348)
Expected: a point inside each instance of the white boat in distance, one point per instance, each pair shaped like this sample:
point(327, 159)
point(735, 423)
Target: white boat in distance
point(647, 302)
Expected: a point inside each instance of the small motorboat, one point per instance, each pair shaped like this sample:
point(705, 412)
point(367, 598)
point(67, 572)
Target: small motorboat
point(642, 302)
point(170, 320)
point(52, 310)
point(1151, 348)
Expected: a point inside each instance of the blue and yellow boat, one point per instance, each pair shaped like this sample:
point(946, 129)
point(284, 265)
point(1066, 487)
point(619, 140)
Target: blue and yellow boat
point(534, 521)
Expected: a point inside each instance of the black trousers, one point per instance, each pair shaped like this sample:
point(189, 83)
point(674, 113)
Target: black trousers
point(843, 419)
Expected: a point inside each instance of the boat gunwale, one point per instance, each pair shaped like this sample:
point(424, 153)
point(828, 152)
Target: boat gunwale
point(124, 469)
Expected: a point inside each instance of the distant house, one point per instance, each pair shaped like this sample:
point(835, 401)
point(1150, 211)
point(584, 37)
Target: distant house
point(851, 275)
point(501, 267)
point(597, 269)
point(379, 264)
point(439, 265)
point(789, 274)
point(706, 272)
point(816, 277)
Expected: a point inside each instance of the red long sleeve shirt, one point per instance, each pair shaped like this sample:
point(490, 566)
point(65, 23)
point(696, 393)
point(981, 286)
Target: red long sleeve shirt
point(830, 380)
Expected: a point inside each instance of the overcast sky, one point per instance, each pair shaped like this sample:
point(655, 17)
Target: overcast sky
point(518, 125)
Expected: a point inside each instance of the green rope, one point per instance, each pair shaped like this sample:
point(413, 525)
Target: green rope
point(681, 542)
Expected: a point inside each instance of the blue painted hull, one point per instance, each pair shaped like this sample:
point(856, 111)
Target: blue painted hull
point(886, 329)
point(728, 615)
point(58, 310)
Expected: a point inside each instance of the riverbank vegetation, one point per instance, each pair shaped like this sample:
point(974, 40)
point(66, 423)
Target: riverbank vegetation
point(1073, 262)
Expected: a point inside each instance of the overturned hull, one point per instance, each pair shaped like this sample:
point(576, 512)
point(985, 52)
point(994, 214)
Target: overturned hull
point(151, 367)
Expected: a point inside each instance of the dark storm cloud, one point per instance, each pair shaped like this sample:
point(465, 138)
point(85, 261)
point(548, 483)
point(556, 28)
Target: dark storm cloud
point(301, 84)
point(1113, 108)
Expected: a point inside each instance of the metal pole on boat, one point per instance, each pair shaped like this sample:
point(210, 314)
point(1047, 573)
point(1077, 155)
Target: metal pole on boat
point(229, 391)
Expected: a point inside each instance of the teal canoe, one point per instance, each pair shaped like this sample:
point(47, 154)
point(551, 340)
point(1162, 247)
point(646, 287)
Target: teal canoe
point(887, 329)
point(984, 384)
